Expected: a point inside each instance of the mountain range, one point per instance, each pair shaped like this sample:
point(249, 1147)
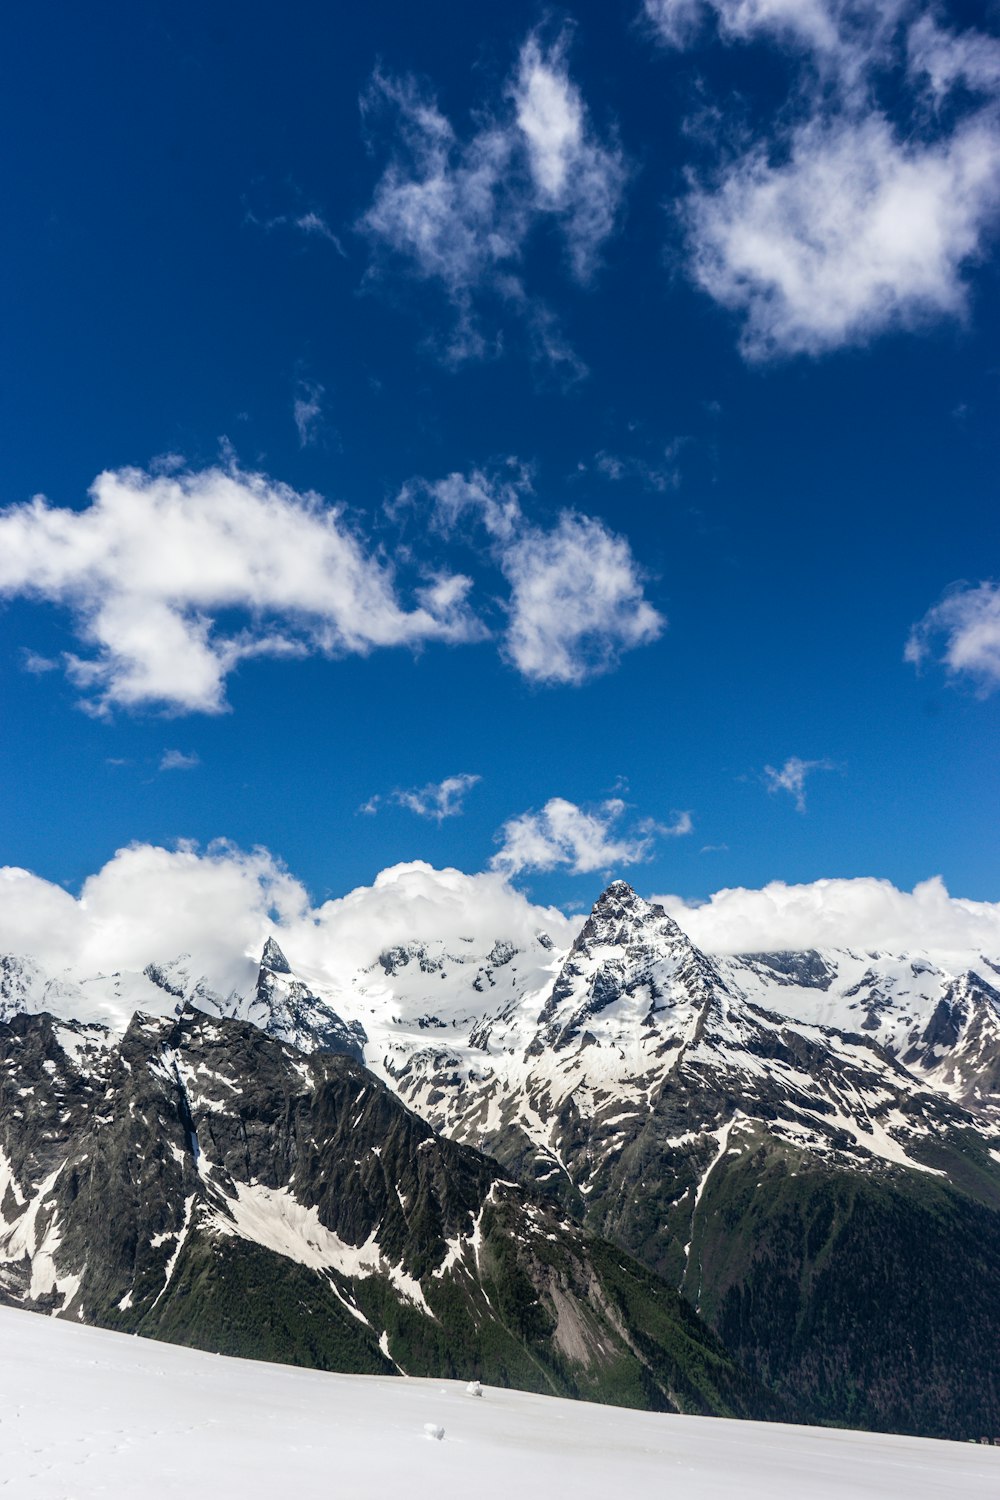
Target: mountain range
point(757, 1184)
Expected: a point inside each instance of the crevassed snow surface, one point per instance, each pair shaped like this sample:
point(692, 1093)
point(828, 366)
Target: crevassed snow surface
point(86, 1413)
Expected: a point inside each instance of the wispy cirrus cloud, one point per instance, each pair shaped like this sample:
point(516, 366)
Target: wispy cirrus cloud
point(792, 776)
point(962, 631)
point(577, 593)
point(580, 839)
point(459, 212)
point(308, 221)
point(437, 800)
point(307, 411)
point(658, 474)
point(36, 664)
point(863, 205)
point(178, 760)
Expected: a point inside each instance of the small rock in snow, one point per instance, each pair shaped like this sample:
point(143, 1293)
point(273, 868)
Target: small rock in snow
point(474, 1388)
point(432, 1430)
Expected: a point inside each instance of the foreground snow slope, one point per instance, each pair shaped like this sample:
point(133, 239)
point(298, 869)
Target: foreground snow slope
point(84, 1412)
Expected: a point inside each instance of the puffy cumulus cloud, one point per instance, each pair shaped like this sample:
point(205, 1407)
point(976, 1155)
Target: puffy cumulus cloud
point(152, 562)
point(151, 904)
point(791, 777)
point(460, 212)
point(576, 601)
point(964, 630)
point(862, 205)
point(863, 914)
point(577, 594)
point(853, 232)
point(564, 835)
point(220, 904)
point(412, 901)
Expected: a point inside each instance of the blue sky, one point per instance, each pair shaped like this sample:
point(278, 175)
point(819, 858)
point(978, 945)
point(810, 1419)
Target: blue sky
point(641, 366)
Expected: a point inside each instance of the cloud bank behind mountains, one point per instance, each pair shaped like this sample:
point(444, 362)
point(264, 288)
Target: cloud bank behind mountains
point(219, 904)
point(863, 914)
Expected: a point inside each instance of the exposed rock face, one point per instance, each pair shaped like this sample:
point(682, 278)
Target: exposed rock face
point(201, 1181)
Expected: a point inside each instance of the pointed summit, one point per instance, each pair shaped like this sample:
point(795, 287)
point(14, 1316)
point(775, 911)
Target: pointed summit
point(618, 914)
point(619, 891)
point(273, 959)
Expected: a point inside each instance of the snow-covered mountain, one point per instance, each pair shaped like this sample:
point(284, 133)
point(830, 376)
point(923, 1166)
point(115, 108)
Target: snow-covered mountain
point(777, 1135)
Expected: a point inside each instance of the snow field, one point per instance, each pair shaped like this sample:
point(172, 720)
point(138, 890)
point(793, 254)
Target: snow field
point(87, 1413)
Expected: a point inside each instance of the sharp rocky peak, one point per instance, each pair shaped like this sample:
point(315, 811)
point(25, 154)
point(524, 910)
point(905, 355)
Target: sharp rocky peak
point(273, 959)
point(619, 915)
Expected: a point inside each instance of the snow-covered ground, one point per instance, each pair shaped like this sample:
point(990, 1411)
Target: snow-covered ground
point(85, 1413)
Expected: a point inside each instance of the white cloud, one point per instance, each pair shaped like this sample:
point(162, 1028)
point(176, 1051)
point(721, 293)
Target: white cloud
point(856, 231)
point(307, 411)
point(460, 212)
point(153, 560)
point(36, 664)
point(176, 760)
point(494, 500)
point(439, 799)
point(219, 904)
point(574, 175)
point(792, 777)
point(663, 475)
point(948, 58)
point(576, 601)
point(860, 209)
point(310, 222)
point(966, 624)
point(844, 38)
point(581, 840)
point(152, 904)
point(865, 914)
point(576, 591)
